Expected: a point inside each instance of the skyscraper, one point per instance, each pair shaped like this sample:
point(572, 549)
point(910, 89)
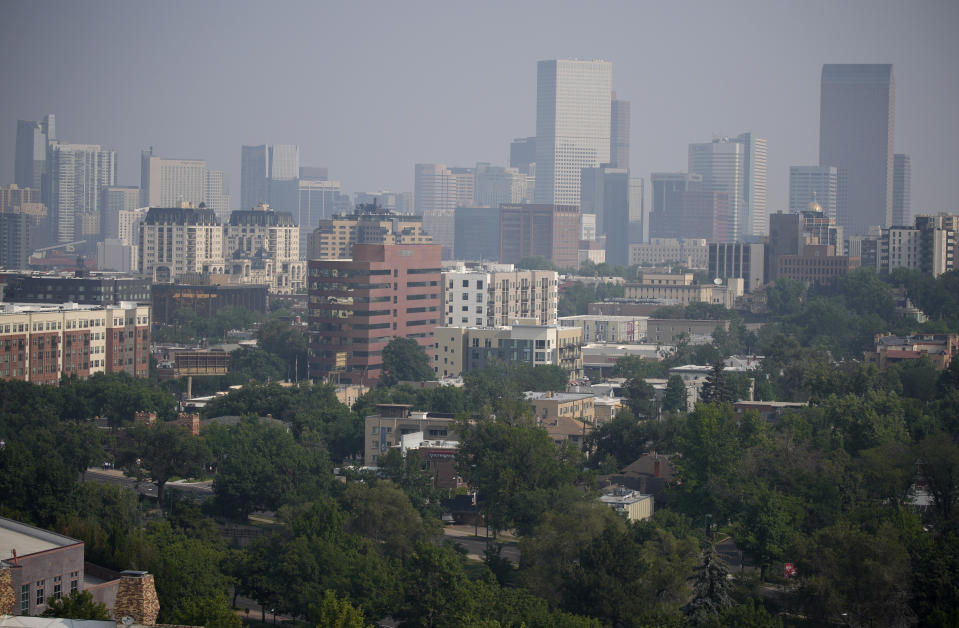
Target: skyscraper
point(722, 164)
point(169, 182)
point(619, 133)
point(856, 117)
point(901, 184)
point(265, 173)
point(496, 184)
point(78, 174)
point(755, 220)
point(522, 154)
point(573, 108)
point(30, 163)
point(617, 201)
point(113, 200)
point(821, 182)
point(217, 194)
point(549, 231)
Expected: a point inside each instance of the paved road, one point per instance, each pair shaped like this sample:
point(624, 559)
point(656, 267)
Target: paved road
point(114, 476)
point(475, 545)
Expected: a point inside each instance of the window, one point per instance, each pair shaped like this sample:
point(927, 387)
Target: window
point(40, 596)
point(24, 599)
point(74, 581)
point(466, 283)
point(376, 429)
point(58, 587)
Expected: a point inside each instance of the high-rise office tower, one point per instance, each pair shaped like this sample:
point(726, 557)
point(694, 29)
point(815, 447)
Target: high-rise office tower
point(619, 133)
point(169, 182)
point(496, 184)
point(722, 164)
point(14, 240)
point(666, 206)
point(573, 108)
point(435, 196)
point(522, 154)
point(901, 184)
point(550, 231)
point(755, 221)
point(78, 174)
point(30, 163)
point(217, 194)
point(113, 200)
point(265, 173)
point(814, 183)
point(616, 199)
point(856, 116)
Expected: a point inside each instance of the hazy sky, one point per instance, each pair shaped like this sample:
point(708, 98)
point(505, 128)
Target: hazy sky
point(370, 88)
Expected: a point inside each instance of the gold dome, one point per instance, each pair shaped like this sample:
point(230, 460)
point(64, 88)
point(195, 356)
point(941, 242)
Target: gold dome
point(813, 205)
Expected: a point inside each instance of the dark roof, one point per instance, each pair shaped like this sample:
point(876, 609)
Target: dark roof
point(261, 218)
point(181, 216)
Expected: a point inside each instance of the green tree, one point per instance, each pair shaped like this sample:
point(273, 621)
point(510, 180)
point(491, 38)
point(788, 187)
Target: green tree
point(640, 398)
point(517, 469)
point(716, 388)
point(405, 360)
point(333, 612)
point(262, 468)
point(384, 514)
point(861, 578)
point(711, 589)
point(631, 367)
point(784, 296)
point(939, 460)
point(288, 342)
point(76, 605)
point(161, 452)
point(768, 522)
point(675, 397)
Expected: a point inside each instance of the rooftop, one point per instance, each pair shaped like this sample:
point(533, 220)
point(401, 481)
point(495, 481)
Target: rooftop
point(26, 539)
point(556, 396)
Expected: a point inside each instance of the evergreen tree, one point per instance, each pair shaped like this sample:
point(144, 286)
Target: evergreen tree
point(716, 388)
point(711, 591)
point(675, 398)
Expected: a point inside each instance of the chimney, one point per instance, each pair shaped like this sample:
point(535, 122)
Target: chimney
point(137, 598)
point(657, 468)
point(8, 598)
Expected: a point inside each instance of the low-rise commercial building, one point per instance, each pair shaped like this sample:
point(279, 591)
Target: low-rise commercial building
point(680, 289)
point(43, 564)
point(617, 329)
point(689, 252)
point(92, 289)
point(631, 504)
point(393, 421)
point(940, 349)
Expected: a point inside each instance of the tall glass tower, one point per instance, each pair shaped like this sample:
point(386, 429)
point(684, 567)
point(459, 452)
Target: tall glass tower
point(856, 116)
point(573, 109)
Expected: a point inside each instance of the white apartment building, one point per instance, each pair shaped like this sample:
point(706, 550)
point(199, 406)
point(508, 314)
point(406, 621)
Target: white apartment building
point(458, 350)
point(690, 252)
point(496, 295)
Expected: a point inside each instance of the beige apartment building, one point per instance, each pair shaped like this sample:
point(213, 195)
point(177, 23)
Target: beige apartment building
point(262, 246)
point(608, 328)
point(178, 240)
point(368, 224)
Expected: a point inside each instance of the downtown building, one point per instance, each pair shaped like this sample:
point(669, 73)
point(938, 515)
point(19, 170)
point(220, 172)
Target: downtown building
point(41, 343)
point(573, 126)
point(356, 306)
point(548, 231)
point(616, 200)
point(265, 174)
point(32, 147)
point(857, 115)
point(170, 182)
point(735, 167)
point(498, 295)
point(78, 173)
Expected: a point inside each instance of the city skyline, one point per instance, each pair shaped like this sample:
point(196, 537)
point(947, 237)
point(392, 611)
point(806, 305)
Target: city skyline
point(371, 143)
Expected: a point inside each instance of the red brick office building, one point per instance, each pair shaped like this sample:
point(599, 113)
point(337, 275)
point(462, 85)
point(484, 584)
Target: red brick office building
point(358, 305)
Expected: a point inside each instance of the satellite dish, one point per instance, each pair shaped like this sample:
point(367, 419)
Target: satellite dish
point(126, 620)
point(718, 281)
